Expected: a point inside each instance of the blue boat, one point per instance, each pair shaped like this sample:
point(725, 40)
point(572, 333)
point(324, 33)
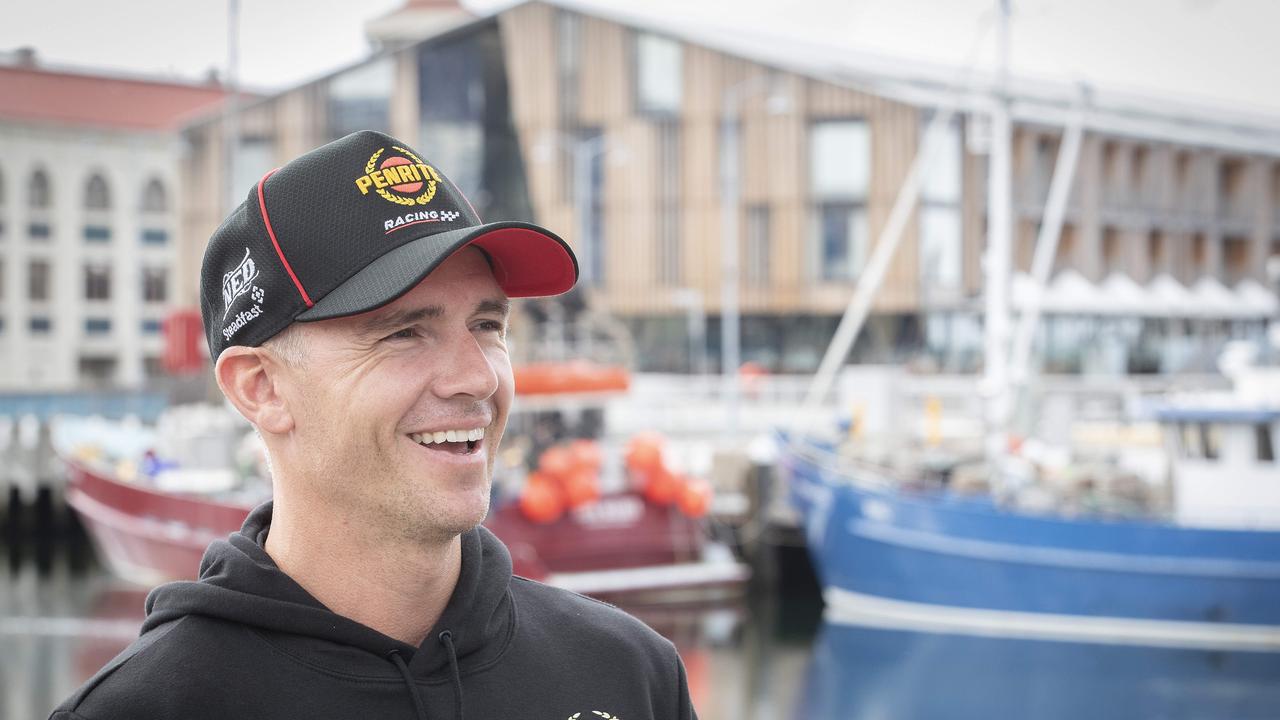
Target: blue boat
point(928, 559)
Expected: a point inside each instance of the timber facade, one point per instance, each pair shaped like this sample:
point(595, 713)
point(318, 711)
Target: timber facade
point(614, 135)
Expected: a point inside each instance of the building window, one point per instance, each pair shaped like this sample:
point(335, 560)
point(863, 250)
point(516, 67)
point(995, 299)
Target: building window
point(658, 74)
point(1, 279)
point(97, 371)
point(97, 326)
point(1113, 192)
point(96, 195)
point(153, 367)
point(757, 251)
point(1112, 251)
point(1231, 189)
point(40, 325)
point(455, 109)
point(1235, 258)
point(842, 240)
point(839, 176)
point(97, 233)
point(1266, 451)
point(38, 280)
point(1199, 257)
point(154, 284)
point(38, 197)
point(941, 233)
point(254, 159)
point(1158, 252)
point(568, 61)
point(154, 198)
point(1, 326)
point(97, 282)
point(1046, 157)
point(154, 236)
point(360, 99)
point(151, 327)
point(1142, 185)
point(38, 231)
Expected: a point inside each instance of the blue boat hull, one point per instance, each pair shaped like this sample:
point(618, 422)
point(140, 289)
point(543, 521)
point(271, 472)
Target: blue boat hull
point(938, 551)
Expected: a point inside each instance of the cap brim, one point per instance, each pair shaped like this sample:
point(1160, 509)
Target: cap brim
point(527, 261)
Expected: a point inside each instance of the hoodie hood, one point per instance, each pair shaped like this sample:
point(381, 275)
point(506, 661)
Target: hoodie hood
point(239, 582)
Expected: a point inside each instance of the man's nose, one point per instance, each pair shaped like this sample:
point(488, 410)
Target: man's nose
point(466, 370)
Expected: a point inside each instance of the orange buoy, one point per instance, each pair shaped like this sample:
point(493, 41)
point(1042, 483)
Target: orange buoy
point(644, 451)
point(695, 497)
point(661, 487)
point(541, 501)
point(586, 455)
point(556, 461)
point(581, 487)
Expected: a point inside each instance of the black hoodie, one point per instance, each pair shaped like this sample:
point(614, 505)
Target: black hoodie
point(246, 641)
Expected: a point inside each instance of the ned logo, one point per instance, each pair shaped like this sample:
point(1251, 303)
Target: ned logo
point(238, 281)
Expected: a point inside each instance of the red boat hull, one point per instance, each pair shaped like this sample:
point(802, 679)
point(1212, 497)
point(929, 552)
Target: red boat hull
point(148, 536)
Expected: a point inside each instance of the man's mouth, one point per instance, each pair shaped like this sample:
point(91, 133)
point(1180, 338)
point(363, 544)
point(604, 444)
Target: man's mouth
point(458, 442)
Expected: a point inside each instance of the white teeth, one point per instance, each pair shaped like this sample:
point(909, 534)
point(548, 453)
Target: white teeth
point(443, 436)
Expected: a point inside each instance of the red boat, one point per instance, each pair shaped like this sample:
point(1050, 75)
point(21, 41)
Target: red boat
point(641, 542)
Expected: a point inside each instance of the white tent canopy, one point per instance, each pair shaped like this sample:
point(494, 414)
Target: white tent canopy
point(1216, 300)
point(1124, 296)
point(1259, 301)
point(1070, 293)
point(1174, 299)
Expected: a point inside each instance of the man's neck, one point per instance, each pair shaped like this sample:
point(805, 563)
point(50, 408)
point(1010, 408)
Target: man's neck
point(397, 588)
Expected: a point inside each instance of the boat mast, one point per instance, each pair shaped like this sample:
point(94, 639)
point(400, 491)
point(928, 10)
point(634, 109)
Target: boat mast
point(231, 109)
point(996, 265)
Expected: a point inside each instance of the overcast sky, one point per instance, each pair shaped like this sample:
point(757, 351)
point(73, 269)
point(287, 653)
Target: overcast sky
point(1201, 51)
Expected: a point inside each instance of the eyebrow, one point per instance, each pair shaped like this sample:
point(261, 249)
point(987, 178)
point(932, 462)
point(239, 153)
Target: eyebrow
point(398, 319)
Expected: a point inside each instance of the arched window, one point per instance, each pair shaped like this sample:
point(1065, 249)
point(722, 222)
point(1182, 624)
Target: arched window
point(38, 190)
point(154, 198)
point(96, 196)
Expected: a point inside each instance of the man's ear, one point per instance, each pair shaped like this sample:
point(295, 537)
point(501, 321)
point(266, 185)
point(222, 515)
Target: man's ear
point(249, 379)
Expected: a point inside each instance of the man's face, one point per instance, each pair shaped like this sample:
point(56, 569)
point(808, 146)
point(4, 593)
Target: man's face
point(376, 389)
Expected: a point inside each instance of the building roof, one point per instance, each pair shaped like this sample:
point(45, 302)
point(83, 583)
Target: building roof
point(1032, 101)
point(103, 101)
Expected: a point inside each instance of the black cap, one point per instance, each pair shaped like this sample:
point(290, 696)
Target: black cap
point(350, 227)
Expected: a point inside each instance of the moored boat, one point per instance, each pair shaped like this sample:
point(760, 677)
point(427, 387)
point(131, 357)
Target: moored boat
point(151, 515)
point(1204, 573)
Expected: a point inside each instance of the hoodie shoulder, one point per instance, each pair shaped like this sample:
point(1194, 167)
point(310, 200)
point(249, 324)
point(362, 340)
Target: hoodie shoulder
point(166, 672)
point(567, 618)
point(633, 670)
point(81, 706)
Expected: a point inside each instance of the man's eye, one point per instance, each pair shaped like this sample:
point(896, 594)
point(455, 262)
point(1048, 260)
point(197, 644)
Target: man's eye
point(404, 334)
point(492, 326)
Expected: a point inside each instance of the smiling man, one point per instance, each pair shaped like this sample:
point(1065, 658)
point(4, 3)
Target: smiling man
point(356, 309)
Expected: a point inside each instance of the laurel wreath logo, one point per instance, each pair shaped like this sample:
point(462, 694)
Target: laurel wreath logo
point(422, 199)
point(599, 713)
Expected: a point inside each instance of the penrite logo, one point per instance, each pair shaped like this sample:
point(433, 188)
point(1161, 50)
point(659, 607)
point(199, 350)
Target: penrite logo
point(238, 282)
point(403, 179)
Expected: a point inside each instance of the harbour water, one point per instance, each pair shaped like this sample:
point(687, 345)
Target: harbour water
point(769, 656)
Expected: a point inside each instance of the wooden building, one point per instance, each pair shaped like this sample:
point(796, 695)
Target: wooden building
point(611, 130)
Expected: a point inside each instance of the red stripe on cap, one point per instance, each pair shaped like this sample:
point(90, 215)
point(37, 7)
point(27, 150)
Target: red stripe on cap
point(262, 205)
